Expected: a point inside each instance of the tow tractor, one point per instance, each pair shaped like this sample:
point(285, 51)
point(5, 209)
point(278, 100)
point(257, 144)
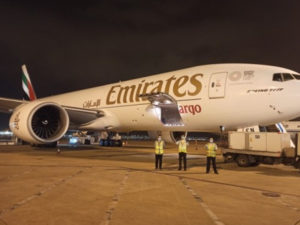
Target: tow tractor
point(251, 149)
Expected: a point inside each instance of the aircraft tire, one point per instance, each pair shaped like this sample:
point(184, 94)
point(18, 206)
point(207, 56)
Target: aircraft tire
point(106, 143)
point(101, 142)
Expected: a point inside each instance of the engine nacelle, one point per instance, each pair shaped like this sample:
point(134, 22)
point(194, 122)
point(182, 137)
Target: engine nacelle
point(167, 136)
point(39, 122)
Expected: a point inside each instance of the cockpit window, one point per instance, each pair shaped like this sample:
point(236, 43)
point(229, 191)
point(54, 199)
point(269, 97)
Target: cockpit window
point(277, 77)
point(297, 76)
point(287, 76)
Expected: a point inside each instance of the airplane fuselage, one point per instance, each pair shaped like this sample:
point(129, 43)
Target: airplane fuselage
point(210, 96)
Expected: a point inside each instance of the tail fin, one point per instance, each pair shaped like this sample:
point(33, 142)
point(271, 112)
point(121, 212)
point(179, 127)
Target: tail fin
point(29, 93)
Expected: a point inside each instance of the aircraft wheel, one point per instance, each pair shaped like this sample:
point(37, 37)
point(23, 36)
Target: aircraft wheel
point(101, 142)
point(106, 143)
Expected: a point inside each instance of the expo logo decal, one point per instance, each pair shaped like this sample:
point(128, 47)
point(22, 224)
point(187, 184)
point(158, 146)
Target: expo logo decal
point(193, 109)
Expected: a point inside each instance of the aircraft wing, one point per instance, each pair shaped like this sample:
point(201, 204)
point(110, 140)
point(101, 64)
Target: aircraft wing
point(7, 105)
point(78, 116)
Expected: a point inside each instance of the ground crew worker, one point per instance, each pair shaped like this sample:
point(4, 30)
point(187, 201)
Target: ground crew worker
point(182, 151)
point(159, 152)
point(211, 149)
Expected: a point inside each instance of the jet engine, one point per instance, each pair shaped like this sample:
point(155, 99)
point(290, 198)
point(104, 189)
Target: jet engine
point(39, 122)
point(167, 136)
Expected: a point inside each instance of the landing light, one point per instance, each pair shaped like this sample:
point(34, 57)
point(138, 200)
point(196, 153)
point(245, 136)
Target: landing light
point(73, 140)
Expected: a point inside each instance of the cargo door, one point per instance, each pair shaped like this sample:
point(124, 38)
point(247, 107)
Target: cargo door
point(217, 85)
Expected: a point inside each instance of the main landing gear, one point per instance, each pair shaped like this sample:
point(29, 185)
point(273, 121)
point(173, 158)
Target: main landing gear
point(112, 141)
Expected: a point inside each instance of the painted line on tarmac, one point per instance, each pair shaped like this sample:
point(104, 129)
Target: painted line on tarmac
point(176, 174)
point(237, 186)
point(115, 200)
point(198, 198)
point(39, 194)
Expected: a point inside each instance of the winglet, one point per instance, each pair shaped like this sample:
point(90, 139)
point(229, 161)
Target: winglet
point(27, 85)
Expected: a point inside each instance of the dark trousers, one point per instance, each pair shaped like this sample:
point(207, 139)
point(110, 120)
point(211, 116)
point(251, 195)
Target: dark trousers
point(182, 157)
point(158, 161)
point(208, 161)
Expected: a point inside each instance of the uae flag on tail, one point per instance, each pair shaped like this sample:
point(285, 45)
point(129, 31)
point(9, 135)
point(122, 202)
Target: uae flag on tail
point(29, 93)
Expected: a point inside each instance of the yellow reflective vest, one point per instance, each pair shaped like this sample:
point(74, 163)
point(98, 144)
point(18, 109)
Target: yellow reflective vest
point(182, 146)
point(211, 149)
point(159, 147)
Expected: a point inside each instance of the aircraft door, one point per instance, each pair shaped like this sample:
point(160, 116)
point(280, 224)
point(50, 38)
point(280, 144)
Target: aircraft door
point(217, 85)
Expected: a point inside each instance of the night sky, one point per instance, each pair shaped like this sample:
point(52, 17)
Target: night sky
point(69, 46)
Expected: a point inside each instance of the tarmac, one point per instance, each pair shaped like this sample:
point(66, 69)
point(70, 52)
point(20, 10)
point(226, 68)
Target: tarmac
point(119, 185)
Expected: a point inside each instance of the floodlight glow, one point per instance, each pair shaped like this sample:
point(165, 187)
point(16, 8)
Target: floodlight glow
point(73, 140)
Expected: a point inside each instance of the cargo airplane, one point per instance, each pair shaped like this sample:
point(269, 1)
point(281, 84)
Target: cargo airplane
point(201, 98)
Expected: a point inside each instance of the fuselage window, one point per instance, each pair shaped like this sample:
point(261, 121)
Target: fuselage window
point(287, 76)
point(277, 77)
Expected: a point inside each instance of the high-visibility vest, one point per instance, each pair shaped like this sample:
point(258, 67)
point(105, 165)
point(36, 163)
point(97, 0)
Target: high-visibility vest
point(182, 146)
point(159, 147)
point(211, 149)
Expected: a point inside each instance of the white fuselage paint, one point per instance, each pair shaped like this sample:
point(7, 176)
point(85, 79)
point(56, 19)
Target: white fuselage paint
point(242, 95)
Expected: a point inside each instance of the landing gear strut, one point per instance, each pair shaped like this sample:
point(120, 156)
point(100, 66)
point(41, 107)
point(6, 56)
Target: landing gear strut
point(115, 141)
